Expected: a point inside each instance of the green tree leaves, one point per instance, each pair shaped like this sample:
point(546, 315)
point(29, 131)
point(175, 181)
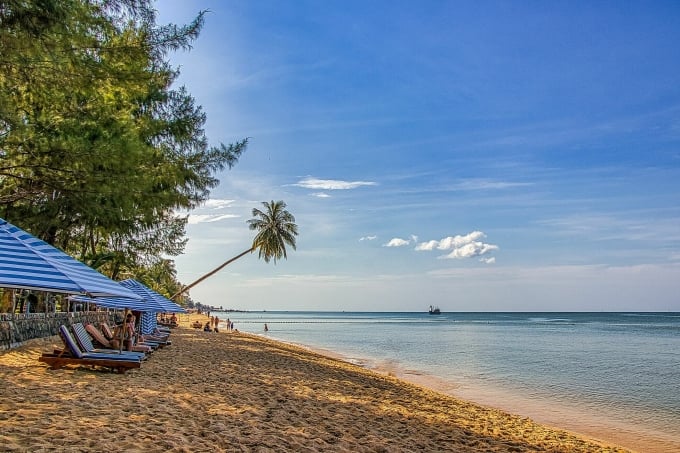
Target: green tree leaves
point(97, 150)
point(275, 228)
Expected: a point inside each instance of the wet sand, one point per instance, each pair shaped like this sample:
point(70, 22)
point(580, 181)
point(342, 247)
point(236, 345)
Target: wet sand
point(238, 392)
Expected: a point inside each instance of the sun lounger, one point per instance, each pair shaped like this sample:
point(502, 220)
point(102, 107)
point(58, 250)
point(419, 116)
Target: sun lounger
point(153, 342)
point(85, 342)
point(73, 355)
point(76, 350)
point(105, 343)
point(157, 337)
point(106, 330)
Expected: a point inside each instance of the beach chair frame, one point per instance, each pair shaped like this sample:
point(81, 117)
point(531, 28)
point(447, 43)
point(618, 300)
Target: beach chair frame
point(85, 342)
point(72, 355)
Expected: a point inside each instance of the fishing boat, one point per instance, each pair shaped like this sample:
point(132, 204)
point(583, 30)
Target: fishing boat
point(435, 310)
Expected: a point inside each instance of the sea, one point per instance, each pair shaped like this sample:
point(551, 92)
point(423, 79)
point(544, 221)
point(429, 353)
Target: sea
point(610, 376)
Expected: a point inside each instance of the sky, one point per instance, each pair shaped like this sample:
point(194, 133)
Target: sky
point(476, 156)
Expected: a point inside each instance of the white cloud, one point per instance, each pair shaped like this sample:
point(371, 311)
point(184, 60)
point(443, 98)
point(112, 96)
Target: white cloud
point(211, 205)
point(368, 238)
point(205, 218)
point(320, 195)
point(467, 246)
point(470, 250)
point(454, 242)
point(331, 184)
point(397, 242)
point(491, 260)
point(429, 245)
point(218, 203)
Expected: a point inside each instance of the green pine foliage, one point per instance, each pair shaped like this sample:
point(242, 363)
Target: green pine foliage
point(98, 150)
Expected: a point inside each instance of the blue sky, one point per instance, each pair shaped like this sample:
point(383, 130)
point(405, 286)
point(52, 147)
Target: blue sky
point(502, 156)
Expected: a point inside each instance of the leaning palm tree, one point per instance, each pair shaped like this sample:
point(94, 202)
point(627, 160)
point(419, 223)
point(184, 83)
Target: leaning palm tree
point(275, 228)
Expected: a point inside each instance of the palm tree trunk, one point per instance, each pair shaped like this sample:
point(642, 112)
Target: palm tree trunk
point(212, 272)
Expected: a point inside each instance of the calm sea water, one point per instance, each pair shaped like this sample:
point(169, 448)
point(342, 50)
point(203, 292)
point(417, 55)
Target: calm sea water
point(619, 367)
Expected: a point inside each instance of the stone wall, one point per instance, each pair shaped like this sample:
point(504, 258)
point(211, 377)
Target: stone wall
point(16, 329)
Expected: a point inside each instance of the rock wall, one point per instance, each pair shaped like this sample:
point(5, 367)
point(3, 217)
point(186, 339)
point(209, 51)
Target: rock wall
point(15, 329)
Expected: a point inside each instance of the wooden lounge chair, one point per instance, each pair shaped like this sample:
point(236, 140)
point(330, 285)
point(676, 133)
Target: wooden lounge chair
point(85, 342)
point(99, 337)
point(72, 355)
point(157, 337)
point(154, 343)
point(106, 330)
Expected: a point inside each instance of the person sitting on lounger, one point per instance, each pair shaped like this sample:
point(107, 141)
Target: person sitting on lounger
point(129, 332)
point(126, 332)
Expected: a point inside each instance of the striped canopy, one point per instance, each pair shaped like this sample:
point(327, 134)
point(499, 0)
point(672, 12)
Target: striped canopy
point(148, 294)
point(26, 262)
point(148, 309)
point(142, 305)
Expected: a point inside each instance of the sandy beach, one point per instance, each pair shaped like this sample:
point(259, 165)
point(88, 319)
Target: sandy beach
point(238, 392)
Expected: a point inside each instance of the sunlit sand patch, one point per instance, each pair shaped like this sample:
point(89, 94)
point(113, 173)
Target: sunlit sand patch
point(233, 391)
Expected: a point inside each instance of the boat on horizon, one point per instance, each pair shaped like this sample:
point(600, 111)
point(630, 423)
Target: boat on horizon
point(435, 310)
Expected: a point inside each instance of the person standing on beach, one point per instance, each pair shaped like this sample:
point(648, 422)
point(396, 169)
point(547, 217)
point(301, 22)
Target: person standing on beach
point(266, 329)
point(130, 331)
point(228, 325)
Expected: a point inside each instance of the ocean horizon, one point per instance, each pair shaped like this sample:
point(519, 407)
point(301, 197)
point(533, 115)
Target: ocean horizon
point(609, 375)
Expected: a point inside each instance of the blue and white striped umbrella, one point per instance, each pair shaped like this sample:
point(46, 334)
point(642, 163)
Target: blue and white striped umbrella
point(148, 308)
point(26, 262)
point(148, 323)
point(142, 305)
point(149, 294)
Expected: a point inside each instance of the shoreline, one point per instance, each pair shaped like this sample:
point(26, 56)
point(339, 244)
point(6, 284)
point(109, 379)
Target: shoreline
point(242, 392)
point(569, 418)
point(582, 423)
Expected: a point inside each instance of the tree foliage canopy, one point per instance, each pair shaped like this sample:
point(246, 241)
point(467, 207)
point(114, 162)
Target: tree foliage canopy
point(97, 149)
point(275, 228)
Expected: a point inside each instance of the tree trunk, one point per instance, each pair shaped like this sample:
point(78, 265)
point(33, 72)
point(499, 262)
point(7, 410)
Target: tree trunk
point(212, 272)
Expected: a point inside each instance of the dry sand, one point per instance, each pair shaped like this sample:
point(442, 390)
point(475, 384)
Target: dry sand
point(239, 392)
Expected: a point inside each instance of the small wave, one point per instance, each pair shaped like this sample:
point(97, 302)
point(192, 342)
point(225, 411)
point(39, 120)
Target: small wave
point(555, 320)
